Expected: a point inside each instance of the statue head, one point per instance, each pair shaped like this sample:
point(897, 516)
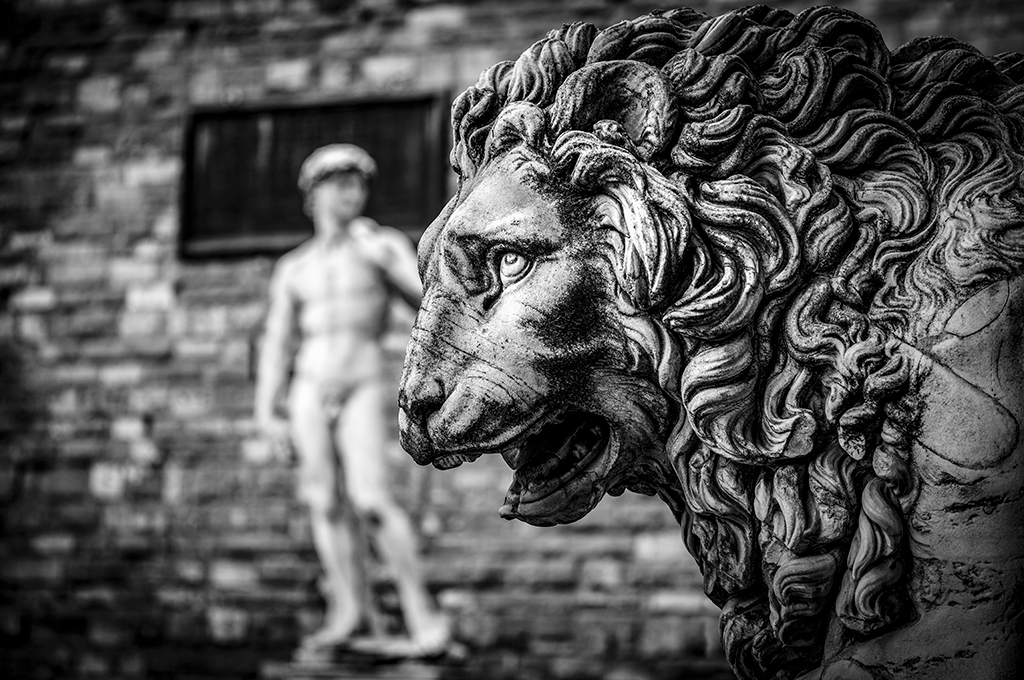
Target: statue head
point(681, 260)
point(335, 183)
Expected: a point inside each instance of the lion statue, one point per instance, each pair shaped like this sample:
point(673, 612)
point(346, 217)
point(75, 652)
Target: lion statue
point(769, 271)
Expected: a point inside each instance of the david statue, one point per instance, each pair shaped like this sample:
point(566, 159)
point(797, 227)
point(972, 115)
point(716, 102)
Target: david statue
point(770, 271)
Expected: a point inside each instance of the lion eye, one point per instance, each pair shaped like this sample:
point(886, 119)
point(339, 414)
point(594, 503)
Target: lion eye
point(512, 266)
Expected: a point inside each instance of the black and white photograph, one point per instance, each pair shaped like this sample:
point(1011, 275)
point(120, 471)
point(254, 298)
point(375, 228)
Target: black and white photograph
point(511, 340)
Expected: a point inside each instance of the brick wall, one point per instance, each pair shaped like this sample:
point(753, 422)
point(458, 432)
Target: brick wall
point(146, 531)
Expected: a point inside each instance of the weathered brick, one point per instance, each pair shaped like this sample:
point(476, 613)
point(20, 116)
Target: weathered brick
point(136, 96)
point(389, 71)
point(233, 575)
point(128, 373)
point(129, 270)
point(144, 452)
point(82, 448)
point(546, 572)
point(100, 94)
point(10, 622)
point(128, 427)
point(160, 52)
point(54, 543)
point(147, 398)
point(336, 75)
point(173, 489)
point(190, 571)
point(8, 479)
point(66, 402)
point(209, 321)
point(665, 637)
point(150, 296)
point(205, 86)
point(663, 546)
point(165, 226)
point(154, 170)
point(184, 402)
point(68, 64)
point(132, 665)
point(290, 75)
point(31, 327)
point(13, 123)
point(438, 72)
point(66, 482)
point(287, 568)
point(142, 324)
point(189, 349)
point(227, 624)
point(123, 518)
point(437, 22)
point(23, 571)
point(96, 595)
point(236, 357)
point(602, 574)
point(95, 155)
point(29, 241)
point(106, 633)
point(7, 327)
point(257, 451)
point(254, 542)
point(92, 665)
point(107, 481)
point(34, 299)
point(17, 275)
point(688, 603)
point(88, 321)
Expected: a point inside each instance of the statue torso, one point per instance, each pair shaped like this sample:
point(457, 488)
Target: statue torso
point(342, 308)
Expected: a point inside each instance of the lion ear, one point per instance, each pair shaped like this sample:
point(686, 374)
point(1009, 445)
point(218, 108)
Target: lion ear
point(631, 93)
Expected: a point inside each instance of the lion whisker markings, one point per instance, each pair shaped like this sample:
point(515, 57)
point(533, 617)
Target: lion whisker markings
point(502, 387)
point(467, 353)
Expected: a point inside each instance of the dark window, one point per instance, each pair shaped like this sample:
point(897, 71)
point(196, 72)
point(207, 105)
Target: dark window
point(241, 166)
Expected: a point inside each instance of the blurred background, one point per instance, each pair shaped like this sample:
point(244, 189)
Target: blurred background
point(148, 156)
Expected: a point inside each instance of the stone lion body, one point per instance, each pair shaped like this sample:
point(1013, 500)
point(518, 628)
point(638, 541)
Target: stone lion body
point(765, 269)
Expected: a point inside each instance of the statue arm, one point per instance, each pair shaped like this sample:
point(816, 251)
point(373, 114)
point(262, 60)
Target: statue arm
point(393, 252)
point(274, 359)
point(402, 272)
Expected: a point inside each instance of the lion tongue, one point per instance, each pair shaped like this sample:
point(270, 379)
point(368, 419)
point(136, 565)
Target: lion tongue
point(553, 454)
point(547, 445)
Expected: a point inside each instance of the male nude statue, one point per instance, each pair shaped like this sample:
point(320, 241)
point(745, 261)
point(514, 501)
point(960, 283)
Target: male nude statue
point(334, 291)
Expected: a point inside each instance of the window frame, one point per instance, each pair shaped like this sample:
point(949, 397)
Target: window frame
point(197, 243)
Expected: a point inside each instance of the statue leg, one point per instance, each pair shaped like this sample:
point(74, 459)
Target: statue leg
point(333, 527)
point(363, 436)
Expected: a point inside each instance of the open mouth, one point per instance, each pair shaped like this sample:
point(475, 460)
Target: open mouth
point(559, 468)
point(555, 458)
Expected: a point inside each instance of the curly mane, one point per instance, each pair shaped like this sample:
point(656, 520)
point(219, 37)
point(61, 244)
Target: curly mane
point(795, 202)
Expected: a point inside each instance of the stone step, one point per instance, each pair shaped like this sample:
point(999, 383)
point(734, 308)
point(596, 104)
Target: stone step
point(380, 658)
point(551, 669)
point(406, 670)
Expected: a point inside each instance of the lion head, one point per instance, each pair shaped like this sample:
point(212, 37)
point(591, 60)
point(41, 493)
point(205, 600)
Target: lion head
point(681, 260)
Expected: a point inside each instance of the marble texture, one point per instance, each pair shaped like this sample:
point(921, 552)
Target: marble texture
point(768, 270)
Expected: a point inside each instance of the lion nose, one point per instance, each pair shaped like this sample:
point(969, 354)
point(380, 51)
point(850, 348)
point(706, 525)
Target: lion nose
point(420, 398)
point(417, 401)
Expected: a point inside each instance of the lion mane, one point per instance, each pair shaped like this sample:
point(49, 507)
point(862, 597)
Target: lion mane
point(796, 202)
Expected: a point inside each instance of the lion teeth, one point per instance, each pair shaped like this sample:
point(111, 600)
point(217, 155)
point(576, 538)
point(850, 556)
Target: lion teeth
point(454, 460)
